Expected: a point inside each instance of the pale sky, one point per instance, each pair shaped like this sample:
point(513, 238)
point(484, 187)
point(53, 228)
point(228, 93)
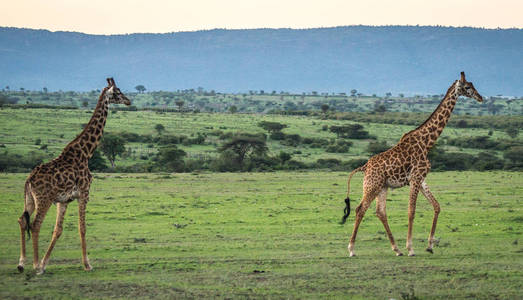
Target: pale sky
point(159, 16)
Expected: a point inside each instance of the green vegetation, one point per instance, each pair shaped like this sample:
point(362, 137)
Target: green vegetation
point(270, 235)
point(314, 142)
point(324, 104)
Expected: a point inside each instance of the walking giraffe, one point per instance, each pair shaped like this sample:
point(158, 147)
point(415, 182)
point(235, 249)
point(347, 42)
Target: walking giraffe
point(406, 164)
point(64, 179)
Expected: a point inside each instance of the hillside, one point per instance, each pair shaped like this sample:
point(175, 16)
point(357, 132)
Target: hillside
point(396, 59)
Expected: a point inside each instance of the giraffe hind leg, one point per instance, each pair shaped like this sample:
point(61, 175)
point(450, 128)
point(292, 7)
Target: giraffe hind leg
point(41, 210)
point(381, 213)
point(426, 192)
point(360, 212)
point(58, 228)
point(25, 225)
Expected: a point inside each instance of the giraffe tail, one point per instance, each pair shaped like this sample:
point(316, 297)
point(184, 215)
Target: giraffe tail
point(29, 203)
point(346, 211)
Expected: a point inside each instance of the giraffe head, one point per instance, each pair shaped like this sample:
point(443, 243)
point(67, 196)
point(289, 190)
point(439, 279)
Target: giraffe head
point(114, 95)
point(465, 88)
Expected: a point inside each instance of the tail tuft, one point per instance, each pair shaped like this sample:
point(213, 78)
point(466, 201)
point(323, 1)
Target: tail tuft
point(28, 223)
point(346, 211)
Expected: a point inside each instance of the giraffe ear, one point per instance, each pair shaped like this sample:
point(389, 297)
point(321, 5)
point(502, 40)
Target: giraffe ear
point(109, 81)
point(112, 82)
point(463, 77)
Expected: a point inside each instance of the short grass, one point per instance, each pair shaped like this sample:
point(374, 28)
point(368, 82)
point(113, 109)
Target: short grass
point(271, 235)
point(20, 129)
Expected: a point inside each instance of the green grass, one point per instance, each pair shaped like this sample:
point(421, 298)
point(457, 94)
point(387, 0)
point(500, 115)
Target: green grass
point(271, 235)
point(19, 129)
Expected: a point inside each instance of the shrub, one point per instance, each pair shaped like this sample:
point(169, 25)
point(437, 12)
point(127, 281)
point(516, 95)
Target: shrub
point(341, 146)
point(376, 147)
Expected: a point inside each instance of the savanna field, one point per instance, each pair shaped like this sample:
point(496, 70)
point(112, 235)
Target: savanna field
point(271, 234)
point(274, 235)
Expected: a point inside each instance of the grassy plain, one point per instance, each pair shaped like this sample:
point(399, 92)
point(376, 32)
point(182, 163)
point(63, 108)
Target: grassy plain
point(270, 235)
point(20, 129)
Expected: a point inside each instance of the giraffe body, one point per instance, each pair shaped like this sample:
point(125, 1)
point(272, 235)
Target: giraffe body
point(407, 163)
point(63, 180)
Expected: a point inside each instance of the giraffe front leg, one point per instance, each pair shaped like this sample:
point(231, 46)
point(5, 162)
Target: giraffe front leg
point(82, 203)
point(58, 228)
point(414, 190)
point(426, 192)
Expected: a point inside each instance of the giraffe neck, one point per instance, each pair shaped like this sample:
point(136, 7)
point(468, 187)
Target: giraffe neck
point(85, 143)
point(431, 129)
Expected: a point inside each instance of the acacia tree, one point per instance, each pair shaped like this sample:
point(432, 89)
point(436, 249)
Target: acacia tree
point(272, 127)
point(353, 131)
point(140, 88)
point(170, 158)
point(245, 144)
point(112, 146)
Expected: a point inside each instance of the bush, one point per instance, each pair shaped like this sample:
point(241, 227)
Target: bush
point(292, 140)
point(341, 146)
point(277, 136)
point(377, 147)
point(18, 163)
point(487, 161)
point(514, 154)
point(170, 159)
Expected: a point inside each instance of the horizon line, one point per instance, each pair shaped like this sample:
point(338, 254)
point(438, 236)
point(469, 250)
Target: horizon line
point(265, 28)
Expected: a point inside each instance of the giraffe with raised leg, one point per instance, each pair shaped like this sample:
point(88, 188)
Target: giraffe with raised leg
point(406, 164)
point(64, 179)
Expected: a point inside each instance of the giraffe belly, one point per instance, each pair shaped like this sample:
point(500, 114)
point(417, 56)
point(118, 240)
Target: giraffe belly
point(397, 182)
point(68, 196)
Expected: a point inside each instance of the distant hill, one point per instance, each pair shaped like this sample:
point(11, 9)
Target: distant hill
point(397, 59)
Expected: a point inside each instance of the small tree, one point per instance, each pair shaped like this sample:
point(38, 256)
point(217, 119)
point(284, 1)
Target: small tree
point(353, 131)
point(140, 88)
point(112, 146)
point(324, 108)
point(233, 109)
point(170, 158)
point(159, 128)
point(272, 127)
point(180, 104)
point(244, 144)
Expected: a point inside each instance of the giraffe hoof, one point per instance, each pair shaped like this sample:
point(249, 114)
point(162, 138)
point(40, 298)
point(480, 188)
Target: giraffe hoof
point(399, 254)
point(352, 254)
point(40, 272)
point(20, 268)
point(430, 250)
point(88, 268)
point(412, 254)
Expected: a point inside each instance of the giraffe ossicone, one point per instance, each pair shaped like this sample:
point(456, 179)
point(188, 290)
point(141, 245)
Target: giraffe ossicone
point(64, 179)
point(406, 163)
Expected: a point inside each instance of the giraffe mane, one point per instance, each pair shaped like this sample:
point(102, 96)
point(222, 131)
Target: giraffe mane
point(102, 94)
point(432, 114)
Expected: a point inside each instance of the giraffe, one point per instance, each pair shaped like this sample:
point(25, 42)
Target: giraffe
point(64, 179)
point(406, 164)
